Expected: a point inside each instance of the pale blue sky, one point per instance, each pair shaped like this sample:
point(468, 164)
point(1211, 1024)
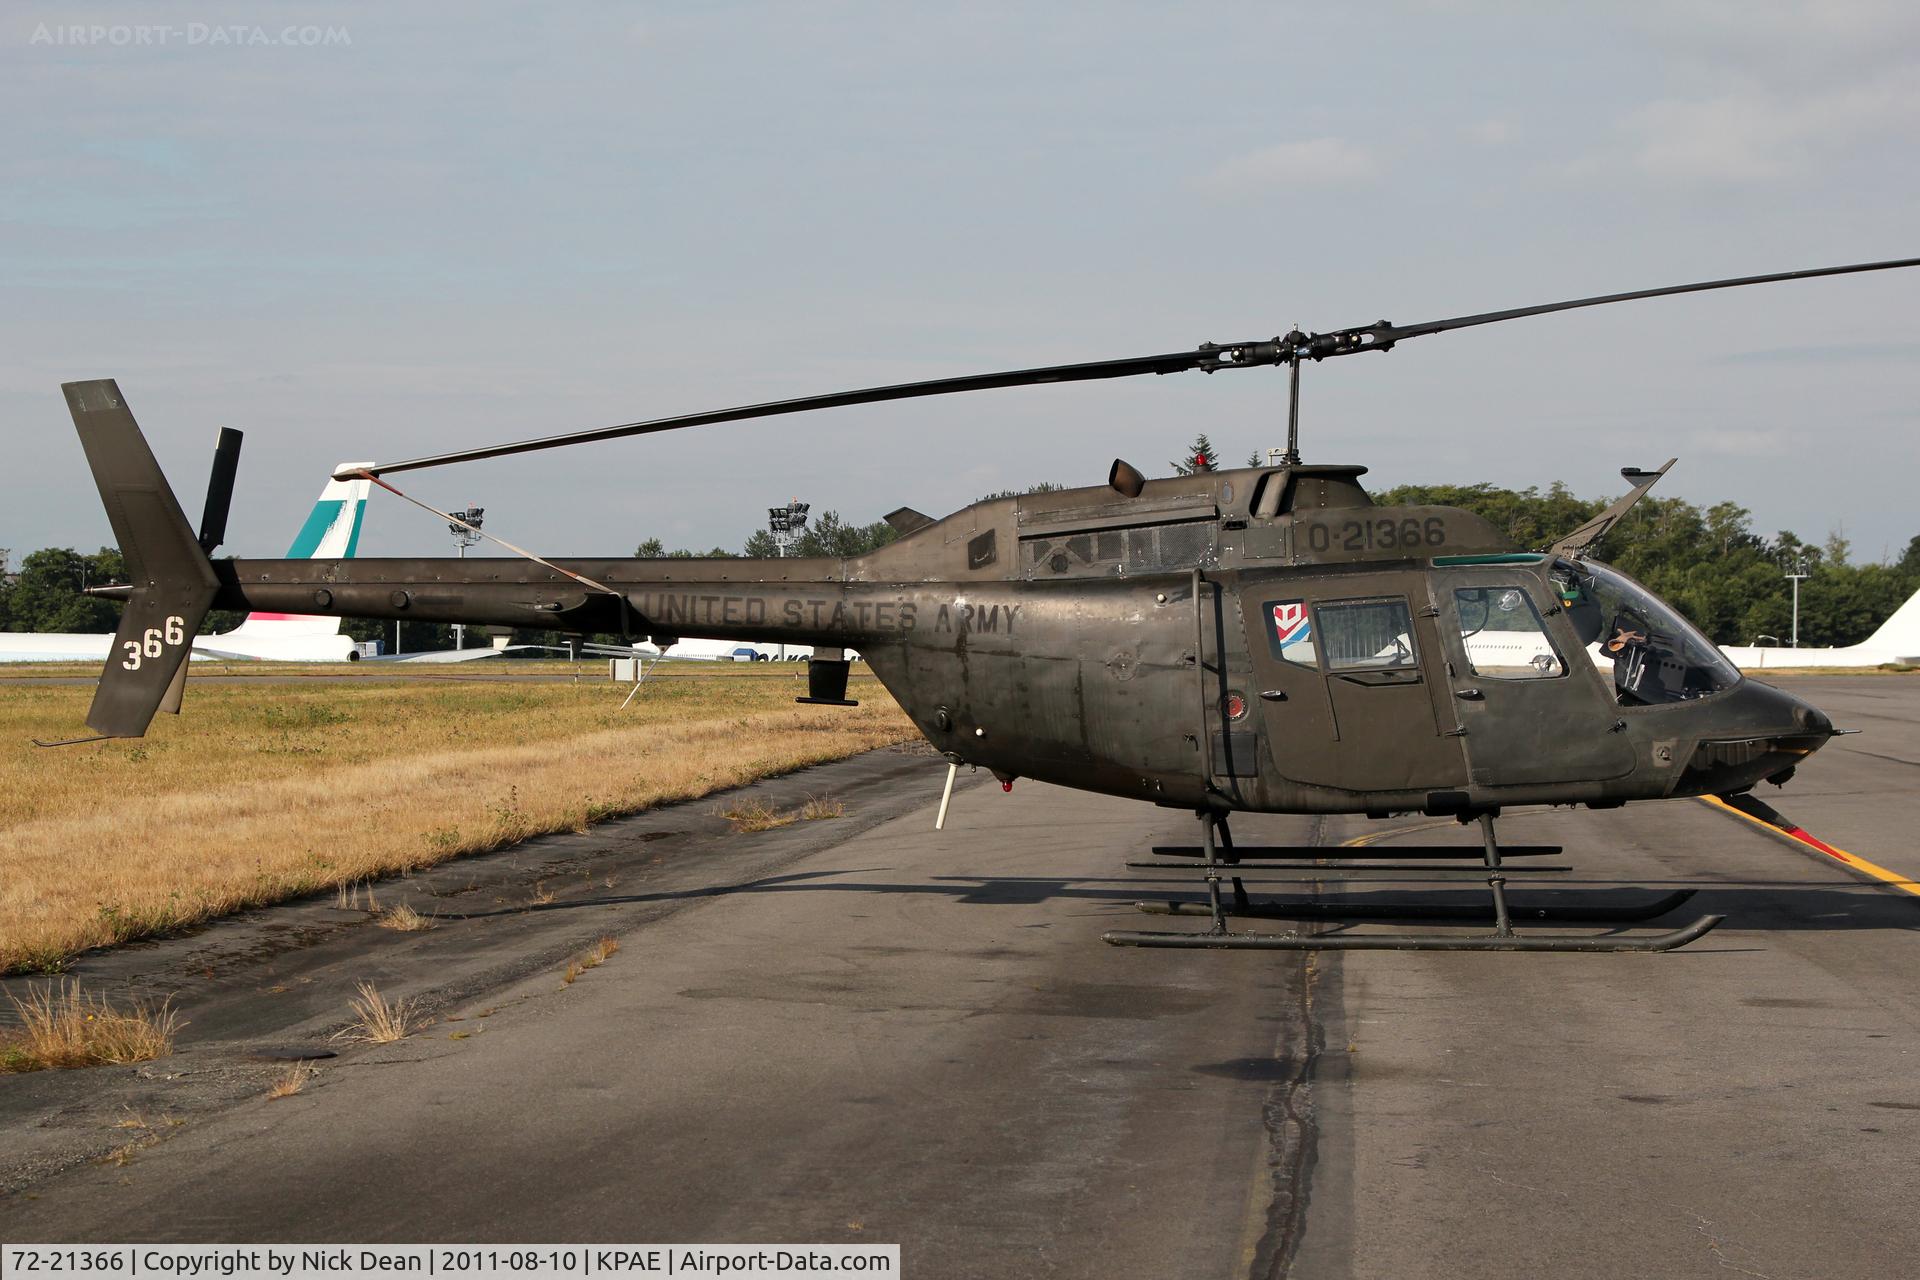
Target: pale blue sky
point(480, 221)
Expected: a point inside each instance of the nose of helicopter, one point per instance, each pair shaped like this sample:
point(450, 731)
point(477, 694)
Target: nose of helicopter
point(1762, 734)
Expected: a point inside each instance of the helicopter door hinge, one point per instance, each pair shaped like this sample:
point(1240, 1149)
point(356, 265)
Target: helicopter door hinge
point(1454, 733)
point(1430, 612)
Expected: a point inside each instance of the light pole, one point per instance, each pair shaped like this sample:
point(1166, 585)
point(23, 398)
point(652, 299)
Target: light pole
point(786, 523)
point(1799, 572)
point(465, 535)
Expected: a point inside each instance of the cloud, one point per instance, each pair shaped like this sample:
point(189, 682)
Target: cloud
point(1829, 353)
point(1491, 133)
point(1742, 442)
point(1318, 162)
point(1804, 42)
point(1731, 139)
point(1751, 135)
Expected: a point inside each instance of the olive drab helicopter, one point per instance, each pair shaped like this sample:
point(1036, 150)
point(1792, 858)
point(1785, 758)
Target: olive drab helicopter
point(1264, 639)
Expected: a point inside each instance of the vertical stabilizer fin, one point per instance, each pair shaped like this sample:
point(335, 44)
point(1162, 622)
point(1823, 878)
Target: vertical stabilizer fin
point(173, 583)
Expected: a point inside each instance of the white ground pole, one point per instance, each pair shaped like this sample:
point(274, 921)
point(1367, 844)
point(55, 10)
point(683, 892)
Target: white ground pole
point(939, 823)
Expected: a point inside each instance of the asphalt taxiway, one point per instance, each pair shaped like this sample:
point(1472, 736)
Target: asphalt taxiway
point(863, 1029)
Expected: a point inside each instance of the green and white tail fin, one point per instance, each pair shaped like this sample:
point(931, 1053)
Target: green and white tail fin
point(332, 532)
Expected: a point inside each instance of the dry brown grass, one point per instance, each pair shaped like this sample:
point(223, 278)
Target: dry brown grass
point(63, 1026)
point(377, 1020)
point(818, 807)
point(405, 919)
point(592, 958)
point(290, 1082)
point(757, 815)
point(272, 789)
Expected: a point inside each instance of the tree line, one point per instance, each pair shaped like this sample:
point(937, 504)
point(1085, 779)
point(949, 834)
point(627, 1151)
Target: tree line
point(1709, 562)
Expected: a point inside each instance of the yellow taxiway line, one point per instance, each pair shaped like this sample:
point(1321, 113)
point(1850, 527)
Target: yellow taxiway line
point(1849, 860)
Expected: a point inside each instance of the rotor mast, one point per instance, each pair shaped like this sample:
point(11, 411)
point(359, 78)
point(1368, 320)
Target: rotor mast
point(1291, 458)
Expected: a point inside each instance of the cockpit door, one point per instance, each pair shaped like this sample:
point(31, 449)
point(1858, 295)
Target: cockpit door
point(1351, 681)
point(1527, 696)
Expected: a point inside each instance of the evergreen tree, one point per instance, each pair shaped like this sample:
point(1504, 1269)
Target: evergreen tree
point(1200, 457)
point(830, 536)
point(1045, 486)
point(654, 549)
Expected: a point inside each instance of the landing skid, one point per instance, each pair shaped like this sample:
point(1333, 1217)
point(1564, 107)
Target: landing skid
point(1501, 915)
point(1246, 909)
point(1414, 941)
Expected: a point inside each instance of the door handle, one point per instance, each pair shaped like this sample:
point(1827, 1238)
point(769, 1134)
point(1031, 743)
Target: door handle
point(1381, 679)
point(1273, 695)
point(1469, 695)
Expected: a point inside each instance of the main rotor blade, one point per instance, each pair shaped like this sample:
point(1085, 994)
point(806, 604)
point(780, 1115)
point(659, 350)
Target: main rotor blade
point(1382, 336)
point(1208, 356)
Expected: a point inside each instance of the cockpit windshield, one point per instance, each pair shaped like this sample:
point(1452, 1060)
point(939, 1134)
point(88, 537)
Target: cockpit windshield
point(1657, 656)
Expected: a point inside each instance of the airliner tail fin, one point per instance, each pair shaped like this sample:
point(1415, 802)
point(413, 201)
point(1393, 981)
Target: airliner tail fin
point(1900, 634)
point(331, 532)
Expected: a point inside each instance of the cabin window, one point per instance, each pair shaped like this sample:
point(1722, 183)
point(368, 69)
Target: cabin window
point(1656, 655)
point(1155, 548)
point(1366, 635)
point(1503, 634)
point(981, 550)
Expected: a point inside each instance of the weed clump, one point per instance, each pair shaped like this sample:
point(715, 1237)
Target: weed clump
point(818, 807)
point(290, 1082)
point(592, 958)
point(377, 1020)
point(62, 1026)
point(406, 920)
point(757, 815)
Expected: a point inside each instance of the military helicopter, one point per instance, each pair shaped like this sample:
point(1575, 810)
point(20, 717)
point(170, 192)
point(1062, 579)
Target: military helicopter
point(1264, 639)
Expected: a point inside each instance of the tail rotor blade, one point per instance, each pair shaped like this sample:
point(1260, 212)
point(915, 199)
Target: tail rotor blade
point(226, 464)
